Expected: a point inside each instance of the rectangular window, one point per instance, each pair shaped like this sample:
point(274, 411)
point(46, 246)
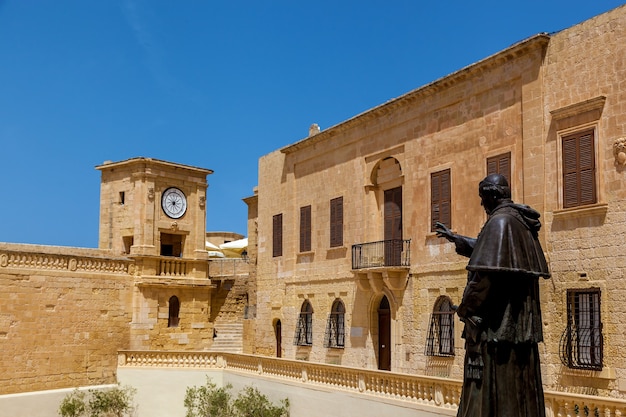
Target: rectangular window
point(579, 170)
point(305, 229)
point(336, 222)
point(441, 198)
point(500, 164)
point(277, 235)
point(582, 344)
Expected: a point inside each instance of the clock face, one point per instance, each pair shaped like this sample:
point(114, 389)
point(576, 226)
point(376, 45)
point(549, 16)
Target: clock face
point(174, 203)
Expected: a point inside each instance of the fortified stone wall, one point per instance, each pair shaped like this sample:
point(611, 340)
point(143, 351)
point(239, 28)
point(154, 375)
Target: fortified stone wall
point(63, 316)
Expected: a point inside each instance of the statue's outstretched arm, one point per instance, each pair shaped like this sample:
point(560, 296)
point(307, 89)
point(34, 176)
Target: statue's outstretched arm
point(464, 245)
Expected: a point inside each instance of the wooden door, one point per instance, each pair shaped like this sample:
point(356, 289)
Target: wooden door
point(279, 339)
point(393, 226)
point(384, 335)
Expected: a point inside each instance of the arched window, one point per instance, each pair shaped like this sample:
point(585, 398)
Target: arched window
point(304, 329)
point(441, 332)
point(174, 309)
point(335, 328)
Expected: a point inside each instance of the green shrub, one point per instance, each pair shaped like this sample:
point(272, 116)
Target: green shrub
point(73, 405)
point(251, 403)
point(115, 402)
point(210, 401)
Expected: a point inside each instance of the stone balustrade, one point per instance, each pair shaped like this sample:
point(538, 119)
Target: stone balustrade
point(228, 267)
point(432, 391)
point(172, 267)
point(38, 257)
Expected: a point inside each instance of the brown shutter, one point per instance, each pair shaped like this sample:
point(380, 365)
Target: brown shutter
point(336, 222)
point(500, 164)
point(441, 198)
point(277, 235)
point(579, 173)
point(305, 229)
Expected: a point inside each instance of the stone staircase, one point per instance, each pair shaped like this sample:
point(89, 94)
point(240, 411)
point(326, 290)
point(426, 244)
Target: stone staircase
point(229, 338)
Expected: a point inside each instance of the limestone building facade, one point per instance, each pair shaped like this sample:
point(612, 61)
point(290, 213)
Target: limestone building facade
point(348, 267)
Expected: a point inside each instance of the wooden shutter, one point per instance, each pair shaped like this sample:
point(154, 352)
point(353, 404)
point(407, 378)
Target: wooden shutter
point(336, 222)
point(441, 199)
point(500, 164)
point(305, 229)
point(277, 235)
point(579, 171)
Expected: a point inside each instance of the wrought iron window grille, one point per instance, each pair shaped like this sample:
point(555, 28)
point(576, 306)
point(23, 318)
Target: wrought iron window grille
point(582, 342)
point(440, 340)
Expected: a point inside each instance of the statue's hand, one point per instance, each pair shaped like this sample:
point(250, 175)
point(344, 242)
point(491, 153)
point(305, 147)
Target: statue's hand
point(443, 231)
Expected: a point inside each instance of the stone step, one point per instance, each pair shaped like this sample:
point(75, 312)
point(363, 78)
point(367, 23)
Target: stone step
point(228, 338)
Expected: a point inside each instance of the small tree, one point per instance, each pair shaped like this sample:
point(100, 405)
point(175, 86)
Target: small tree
point(115, 402)
point(251, 403)
point(73, 405)
point(210, 401)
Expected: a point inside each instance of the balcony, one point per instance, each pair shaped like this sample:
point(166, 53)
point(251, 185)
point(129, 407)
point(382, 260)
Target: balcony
point(382, 264)
point(391, 253)
point(172, 272)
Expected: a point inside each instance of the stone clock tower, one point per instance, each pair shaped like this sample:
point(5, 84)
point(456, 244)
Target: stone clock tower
point(154, 212)
point(150, 207)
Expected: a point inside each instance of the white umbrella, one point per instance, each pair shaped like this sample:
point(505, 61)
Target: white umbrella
point(214, 250)
point(235, 248)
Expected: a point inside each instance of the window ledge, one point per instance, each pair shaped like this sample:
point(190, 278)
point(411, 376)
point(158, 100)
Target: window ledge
point(581, 211)
point(606, 373)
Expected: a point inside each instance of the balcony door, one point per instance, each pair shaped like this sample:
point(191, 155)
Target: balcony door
point(393, 226)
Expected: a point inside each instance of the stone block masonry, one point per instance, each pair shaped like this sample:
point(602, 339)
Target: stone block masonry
point(61, 324)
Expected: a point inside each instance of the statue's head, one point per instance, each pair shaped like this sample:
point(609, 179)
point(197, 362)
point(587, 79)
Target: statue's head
point(492, 189)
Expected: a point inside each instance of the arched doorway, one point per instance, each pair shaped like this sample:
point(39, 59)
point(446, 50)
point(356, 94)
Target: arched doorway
point(384, 335)
point(279, 339)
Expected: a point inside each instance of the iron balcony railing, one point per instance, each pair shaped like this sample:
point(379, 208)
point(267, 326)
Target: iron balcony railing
point(384, 253)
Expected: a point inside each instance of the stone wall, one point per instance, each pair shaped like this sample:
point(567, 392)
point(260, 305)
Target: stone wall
point(584, 73)
point(151, 328)
point(63, 316)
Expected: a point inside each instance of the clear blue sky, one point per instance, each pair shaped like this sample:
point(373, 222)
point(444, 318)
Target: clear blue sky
point(214, 84)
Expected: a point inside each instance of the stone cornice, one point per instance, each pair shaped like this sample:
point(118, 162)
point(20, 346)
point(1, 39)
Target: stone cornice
point(515, 51)
point(154, 162)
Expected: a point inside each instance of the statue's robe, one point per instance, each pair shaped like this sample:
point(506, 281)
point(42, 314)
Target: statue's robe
point(502, 315)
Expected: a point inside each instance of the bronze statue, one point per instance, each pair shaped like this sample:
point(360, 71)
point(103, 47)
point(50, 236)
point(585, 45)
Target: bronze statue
point(500, 308)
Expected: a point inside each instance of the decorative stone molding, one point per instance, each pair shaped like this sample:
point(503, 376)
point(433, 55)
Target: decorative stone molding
point(202, 201)
point(151, 194)
point(57, 262)
point(619, 151)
